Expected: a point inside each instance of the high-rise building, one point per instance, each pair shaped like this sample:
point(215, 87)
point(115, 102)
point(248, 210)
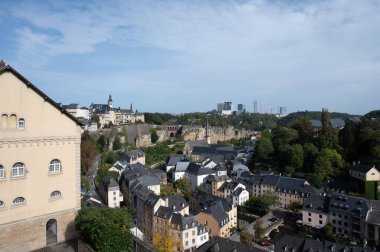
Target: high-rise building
point(227, 106)
point(219, 107)
point(39, 166)
point(282, 111)
point(241, 108)
point(255, 106)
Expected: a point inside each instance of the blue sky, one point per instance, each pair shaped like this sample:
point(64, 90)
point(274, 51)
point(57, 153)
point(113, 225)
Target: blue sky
point(184, 56)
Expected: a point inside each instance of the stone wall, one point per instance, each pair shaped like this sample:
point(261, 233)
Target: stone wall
point(27, 235)
point(216, 133)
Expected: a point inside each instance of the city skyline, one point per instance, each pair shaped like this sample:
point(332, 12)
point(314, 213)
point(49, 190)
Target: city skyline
point(303, 55)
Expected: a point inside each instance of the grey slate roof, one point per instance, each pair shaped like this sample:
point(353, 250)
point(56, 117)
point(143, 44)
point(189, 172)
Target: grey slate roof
point(288, 243)
point(148, 180)
point(109, 182)
point(219, 244)
point(316, 204)
point(216, 210)
point(164, 212)
point(182, 166)
point(374, 214)
point(343, 203)
point(198, 170)
point(220, 167)
point(177, 203)
point(205, 200)
point(364, 168)
point(126, 156)
point(174, 159)
point(238, 191)
point(183, 222)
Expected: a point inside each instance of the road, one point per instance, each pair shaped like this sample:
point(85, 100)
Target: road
point(91, 175)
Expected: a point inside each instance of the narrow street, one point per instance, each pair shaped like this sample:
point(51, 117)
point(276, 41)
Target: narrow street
point(91, 176)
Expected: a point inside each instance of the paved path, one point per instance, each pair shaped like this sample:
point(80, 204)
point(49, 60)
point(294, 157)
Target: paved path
point(91, 176)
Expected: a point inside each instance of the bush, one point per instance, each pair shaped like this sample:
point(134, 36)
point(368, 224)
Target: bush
point(105, 229)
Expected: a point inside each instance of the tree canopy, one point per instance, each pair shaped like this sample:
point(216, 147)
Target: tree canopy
point(105, 229)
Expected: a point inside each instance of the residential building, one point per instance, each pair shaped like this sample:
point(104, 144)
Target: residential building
point(184, 230)
point(133, 157)
point(177, 204)
point(107, 113)
point(287, 189)
point(212, 183)
point(373, 224)
point(180, 170)
point(79, 112)
point(110, 192)
point(172, 161)
point(39, 166)
point(215, 220)
point(219, 244)
point(200, 200)
point(315, 211)
point(352, 217)
point(196, 174)
point(287, 243)
point(364, 172)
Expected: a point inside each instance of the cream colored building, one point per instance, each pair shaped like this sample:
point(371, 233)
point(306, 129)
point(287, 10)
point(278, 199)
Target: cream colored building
point(39, 166)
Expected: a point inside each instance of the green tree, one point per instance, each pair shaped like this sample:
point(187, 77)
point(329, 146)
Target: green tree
point(117, 143)
point(283, 135)
point(88, 152)
point(263, 149)
point(296, 156)
point(310, 154)
point(328, 230)
point(295, 206)
point(304, 129)
point(258, 230)
point(154, 136)
point(245, 237)
point(103, 143)
point(322, 166)
point(105, 229)
point(260, 205)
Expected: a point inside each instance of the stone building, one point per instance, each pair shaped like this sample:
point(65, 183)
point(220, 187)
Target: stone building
point(39, 166)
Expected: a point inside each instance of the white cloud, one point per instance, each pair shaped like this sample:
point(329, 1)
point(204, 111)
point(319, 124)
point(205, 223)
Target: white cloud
point(279, 45)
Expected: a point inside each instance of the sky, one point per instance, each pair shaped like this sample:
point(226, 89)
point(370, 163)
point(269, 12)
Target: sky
point(185, 56)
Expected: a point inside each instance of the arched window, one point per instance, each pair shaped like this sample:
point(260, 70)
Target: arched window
point(2, 172)
point(19, 201)
point(18, 170)
point(21, 123)
point(56, 195)
point(55, 166)
point(2, 204)
point(13, 122)
point(4, 121)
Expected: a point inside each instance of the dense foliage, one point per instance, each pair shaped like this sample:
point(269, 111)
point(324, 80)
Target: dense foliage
point(319, 154)
point(260, 205)
point(88, 152)
point(244, 120)
point(105, 229)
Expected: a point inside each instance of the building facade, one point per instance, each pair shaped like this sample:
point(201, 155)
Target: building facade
point(39, 166)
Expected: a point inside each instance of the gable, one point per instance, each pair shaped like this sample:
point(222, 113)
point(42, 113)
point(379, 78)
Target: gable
point(22, 100)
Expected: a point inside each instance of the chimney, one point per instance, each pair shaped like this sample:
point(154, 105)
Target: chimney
point(2, 63)
point(167, 202)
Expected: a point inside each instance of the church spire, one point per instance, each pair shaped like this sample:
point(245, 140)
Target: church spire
point(110, 102)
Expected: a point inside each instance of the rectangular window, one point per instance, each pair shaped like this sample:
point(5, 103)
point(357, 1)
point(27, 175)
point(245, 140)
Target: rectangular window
point(17, 171)
point(186, 235)
point(320, 222)
point(309, 214)
point(2, 175)
point(320, 216)
point(309, 219)
point(193, 241)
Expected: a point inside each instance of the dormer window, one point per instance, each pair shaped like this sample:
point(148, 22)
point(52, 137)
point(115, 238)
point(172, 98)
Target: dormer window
point(21, 123)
